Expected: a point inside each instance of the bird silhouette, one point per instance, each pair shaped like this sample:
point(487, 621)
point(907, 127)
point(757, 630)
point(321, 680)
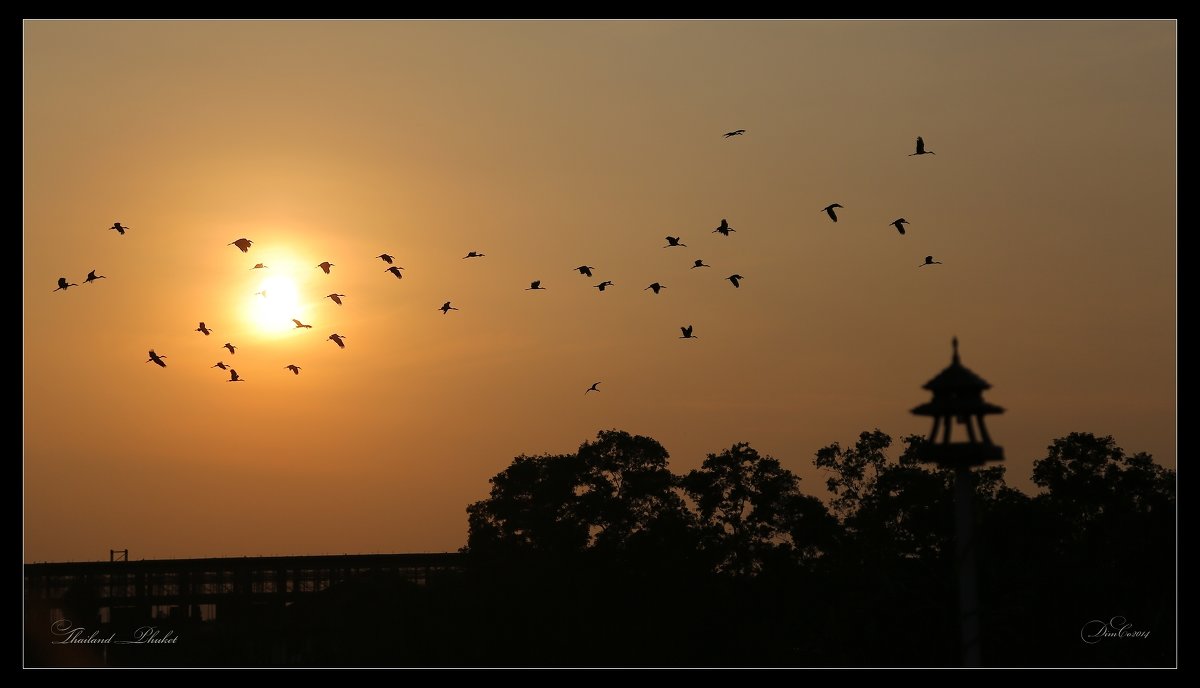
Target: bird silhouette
point(294, 368)
point(585, 270)
point(336, 298)
point(157, 359)
point(592, 388)
point(120, 230)
point(724, 229)
point(700, 264)
point(234, 377)
point(929, 261)
point(687, 333)
point(221, 365)
point(385, 258)
point(673, 241)
point(262, 293)
point(325, 266)
point(656, 287)
point(300, 324)
point(446, 308)
point(735, 132)
point(536, 284)
point(899, 224)
point(472, 254)
point(92, 277)
point(337, 339)
point(62, 284)
point(203, 329)
point(258, 266)
point(395, 270)
point(243, 244)
point(602, 285)
point(921, 148)
point(734, 279)
point(232, 348)
point(829, 210)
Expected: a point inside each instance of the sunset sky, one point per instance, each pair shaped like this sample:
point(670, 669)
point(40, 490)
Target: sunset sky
point(1051, 201)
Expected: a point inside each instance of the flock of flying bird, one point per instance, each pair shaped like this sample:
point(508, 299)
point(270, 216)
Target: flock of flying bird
point(243, 244)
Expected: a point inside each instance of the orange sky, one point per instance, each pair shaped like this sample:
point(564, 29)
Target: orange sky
point(1051, 201)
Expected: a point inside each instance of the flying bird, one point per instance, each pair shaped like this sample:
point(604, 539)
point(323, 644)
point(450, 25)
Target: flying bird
point(62, 284)
point(472, 254)
point(395, 270)
point(656, 287)
point(536, 284)
point(324, 266)
point(92, 277)
point(929, 261)
point(243, 244)
point(120, 230)
point(700, 264)
point(262, 293)
point(203, 329)
point(673, 241)
point(232, 348)
point(734, 279)
point(385, 258)
point(921, 148)
point(446, 308)
point(829, 210)
point(300, 324)
point(221, 365)
point(585, 270)
point(899, 225)
point(724, 229)
point(294, 368)
point(337, 298)
point(687, 333)
point(157, 359)
point(234, 377)
point(602, 285)
point(337, 339)
point(258, 266)
point(592, 388)
point(735, 132)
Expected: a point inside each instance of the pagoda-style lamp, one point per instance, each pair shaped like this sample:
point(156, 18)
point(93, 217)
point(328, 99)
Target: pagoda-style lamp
point(958, 396)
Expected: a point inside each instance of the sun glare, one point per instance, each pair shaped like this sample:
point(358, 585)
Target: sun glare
point(275, 304)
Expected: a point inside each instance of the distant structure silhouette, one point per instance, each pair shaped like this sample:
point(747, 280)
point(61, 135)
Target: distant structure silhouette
point(585, 270)
point(700, 264)
point(243, 244)
point(536, 284)
point(92, 277)
point(395, 270)
point(234, 377)
point(63, 284)
point(929, 261)
point(724, 229)
point(921, 148)
point(232, 348)
point(673, 241)
point(120, 230)
point(325, 266)
point(336, 298)
point(258, 266)
point(656, 287)
point(592, 388)
point(899, 224)
point(472, 254)
point(385, 258)
point(294, 368)
point(337, 339)
point(203, 329)
point(734, 279)
point(300, 324)
point(603, 285)
point(157, 359)
point(446, 308)
point(735, 132)
point(221, 365)
point(687, 333)
point(829, 210)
